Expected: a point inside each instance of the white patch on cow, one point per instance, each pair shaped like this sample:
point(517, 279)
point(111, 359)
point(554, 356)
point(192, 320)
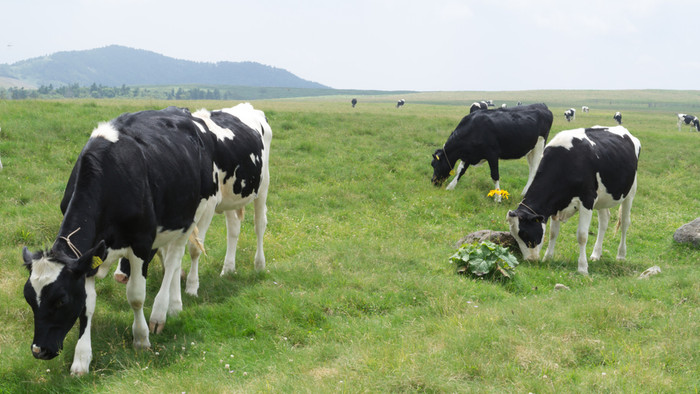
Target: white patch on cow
point(530, 254)
point(164, 237)
point(220, 133)
point(44, 272)
point(107, 131)
point(566, 213)
point(255, 159)
point(566, 140)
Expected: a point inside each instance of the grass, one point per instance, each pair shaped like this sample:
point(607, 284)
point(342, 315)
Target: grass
point(359, 294)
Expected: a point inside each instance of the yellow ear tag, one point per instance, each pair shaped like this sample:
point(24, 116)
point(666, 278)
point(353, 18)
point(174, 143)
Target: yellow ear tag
point(96, 262)
point(452, 172)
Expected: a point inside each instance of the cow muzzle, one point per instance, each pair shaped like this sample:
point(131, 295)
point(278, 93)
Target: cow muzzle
point(42, 354)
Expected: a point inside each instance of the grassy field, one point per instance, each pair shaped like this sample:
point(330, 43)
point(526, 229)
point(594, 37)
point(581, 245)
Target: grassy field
point(359, 295)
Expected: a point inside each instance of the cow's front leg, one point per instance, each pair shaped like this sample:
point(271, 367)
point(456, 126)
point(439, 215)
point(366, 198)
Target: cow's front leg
point(136, 295)
point(493, 166)
point(461, 168)
point(584, 222)
point(553, 234)
point(83, 349)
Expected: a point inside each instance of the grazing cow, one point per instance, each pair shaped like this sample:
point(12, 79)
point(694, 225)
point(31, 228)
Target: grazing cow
point(570, 114)
point(690, 120)
point(400, 103)
point(478, 106)
point(490, 103)
point(241, 181)
point(582, 170)
point(584, 109)
point(487, 136)
point(354, 102)
point(140, 184)
point(504, 105)
point(618, 117)
point(520, 103)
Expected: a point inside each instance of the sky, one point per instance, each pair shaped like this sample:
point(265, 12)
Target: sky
point(428, 45)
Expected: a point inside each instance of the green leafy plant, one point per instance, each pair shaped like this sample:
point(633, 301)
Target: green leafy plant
point(485, 259)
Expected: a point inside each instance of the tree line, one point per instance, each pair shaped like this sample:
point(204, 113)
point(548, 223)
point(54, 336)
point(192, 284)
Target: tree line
point(100, 91)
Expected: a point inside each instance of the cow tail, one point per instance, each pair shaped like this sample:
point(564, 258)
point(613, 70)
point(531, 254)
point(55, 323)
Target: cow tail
point(619, 219)
point(194, 239)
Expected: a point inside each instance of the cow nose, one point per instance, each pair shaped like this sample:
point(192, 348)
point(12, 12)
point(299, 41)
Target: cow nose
point(41, 354)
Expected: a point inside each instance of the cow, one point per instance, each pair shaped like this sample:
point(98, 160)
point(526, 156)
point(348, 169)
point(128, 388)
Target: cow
point(353, 102)
point(400, 103)
point(690, 120)
point(581, 170)
point(140, 184)
point(618, 117)
point(585, 109)
point(570, 114)
point(487, 136)
point(477, 106)
point(241, 181)
point(490, 103)
point(504, 105)
point(520, 103)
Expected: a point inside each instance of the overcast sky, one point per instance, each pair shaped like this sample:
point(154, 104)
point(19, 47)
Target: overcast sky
point(389, 44)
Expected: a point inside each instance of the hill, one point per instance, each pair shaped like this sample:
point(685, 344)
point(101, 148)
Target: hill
point(117, 65)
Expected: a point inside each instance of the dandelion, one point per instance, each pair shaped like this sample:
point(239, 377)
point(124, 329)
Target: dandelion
point(501, 192)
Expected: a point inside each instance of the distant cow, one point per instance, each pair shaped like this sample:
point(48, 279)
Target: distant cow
point(581, 170)
point(504, 105)
point(520, 103)
point(354, 102)
point(584, 109)
point(400, 103)
point(487, 136)
point(570, 114)
point(689, 120)
point(618, 117)
point(489, 103)
point(139, 185)
point(477, 106)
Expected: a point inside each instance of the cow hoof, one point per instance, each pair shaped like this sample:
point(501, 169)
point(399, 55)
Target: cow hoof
point(192, 292)
point(584, 273)
point(121, 278)
point(155, 328)
point(78, 369)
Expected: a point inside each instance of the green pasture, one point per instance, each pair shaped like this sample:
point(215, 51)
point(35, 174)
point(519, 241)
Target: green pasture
point(358, 294)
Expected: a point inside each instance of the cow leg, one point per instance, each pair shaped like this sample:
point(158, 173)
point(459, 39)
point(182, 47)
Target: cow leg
point(233, 230)
point(83, 349)
point(553, 234)
point(493, 166)
point(171, 267)
point(136, 296)
point(533, 161)
point(625, 220)
point(195, 252)
point(461, 169)
point(260, 225)
point(584, 222)
point(603, 220)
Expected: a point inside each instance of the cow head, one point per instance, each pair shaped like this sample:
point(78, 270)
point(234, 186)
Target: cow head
point(56, 293)
point(441, 167)
point(528, 230)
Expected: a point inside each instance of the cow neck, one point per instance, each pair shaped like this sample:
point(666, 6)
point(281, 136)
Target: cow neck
point(78, 230)
point(454, 151)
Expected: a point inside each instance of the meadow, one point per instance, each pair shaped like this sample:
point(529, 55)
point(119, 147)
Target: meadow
point(358, 294)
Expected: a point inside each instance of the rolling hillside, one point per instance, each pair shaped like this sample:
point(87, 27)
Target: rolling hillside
point(117, 65)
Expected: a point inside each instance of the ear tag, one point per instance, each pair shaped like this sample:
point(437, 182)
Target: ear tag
point(437, 157)
point(452, 172)
point(96, 262)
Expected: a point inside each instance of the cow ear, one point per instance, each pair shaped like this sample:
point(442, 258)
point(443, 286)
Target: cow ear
point(28, 258)
point(91, 259)
point(539, 219)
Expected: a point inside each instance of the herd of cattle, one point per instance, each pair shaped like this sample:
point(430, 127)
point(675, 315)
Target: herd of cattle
point(150, 182)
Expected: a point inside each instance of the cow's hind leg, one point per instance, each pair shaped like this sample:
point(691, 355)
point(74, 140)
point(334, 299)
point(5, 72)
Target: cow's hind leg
point(625, 220)
point(233, 230)
point(260, 225)
point(603, 220)
point(533, 161)
point(195, 250)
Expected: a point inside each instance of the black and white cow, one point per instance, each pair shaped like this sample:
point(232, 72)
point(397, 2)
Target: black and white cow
point(232, 150)
point(581, 170)
point(400, 103)
point(353, 102)
point(140, 184)
point(689, 120)
point(490, 103)
point(585, 109)
point(618, 117)
point(487, 136)
point(477, 106)
point(570, 114)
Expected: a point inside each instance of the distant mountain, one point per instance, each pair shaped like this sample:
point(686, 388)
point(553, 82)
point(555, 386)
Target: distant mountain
point(117, 65)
